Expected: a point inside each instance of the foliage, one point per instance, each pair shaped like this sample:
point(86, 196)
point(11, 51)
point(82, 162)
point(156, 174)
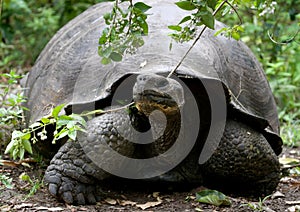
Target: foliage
point(35, 184)
point(11, 100)
point(124, 34)
point(259, 206)
point(26, 27)
point(65, 125)
point(5, 181)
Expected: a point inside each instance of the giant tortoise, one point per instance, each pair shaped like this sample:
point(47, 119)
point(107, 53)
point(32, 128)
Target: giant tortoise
point(212, 122)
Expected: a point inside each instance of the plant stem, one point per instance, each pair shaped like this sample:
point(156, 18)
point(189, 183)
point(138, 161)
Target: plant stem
point(196, 40)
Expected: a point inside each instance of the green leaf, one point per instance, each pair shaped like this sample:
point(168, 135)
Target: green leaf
point(208, 20)
point(106, 52)
point(45, 120)
point(212, 4)
point(10, 146)
point(64, 132)
point(185, 19)
point(26, 136)
point(27, 146)
point(21, 153)
point(224, 29)
point(142, 6)
point(175, 27)
point(78, 119)
point(72, 134)
point(186, 5)
point(115, 56)
point(57, 110)
point(235, 35)
point(212, 197)
point(105, 61)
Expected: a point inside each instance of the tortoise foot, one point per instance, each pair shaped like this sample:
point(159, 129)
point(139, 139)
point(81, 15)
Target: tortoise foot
point(71, 191)
point(71, 177)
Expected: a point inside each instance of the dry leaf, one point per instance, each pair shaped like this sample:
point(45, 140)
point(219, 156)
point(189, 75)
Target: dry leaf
point(127, 202)
point(293, 202)
point(289, 180)
point(148, 205)
point(49, 209)
point(110, 201)
point(155, 194)
point(277, 194)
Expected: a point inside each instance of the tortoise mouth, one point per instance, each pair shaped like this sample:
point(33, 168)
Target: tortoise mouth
point(149, 100)
point(152, 97)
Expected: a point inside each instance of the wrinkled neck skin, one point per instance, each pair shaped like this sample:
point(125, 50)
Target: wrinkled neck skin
point(164, 125)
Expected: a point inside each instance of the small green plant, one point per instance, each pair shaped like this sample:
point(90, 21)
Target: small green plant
point(11, 109)
point(34, 184)
point(65, 125)
point(5, 181)
point(257, 206)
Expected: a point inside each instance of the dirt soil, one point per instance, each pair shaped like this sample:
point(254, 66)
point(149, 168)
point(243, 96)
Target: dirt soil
point(286, 198)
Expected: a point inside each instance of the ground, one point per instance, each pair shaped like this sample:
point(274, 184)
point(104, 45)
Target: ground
point(285, 198)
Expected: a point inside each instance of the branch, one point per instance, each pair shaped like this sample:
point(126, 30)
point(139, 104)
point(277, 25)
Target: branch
point(196, 40)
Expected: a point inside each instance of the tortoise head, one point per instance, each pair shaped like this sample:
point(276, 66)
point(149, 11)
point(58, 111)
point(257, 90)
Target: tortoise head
point(154, 92)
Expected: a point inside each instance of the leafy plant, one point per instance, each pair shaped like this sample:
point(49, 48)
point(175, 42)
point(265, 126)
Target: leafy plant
point(11, 108)
point(124, 34)
point(34, 184)
point(65, 125)
point(258, 206)
point(6, 181)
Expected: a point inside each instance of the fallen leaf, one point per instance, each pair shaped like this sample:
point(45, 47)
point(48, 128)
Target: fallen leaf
point(49, 209)
point(289, 180)
point(148, 205)
point(277, 194)
point(110, 201)
point(127, 202)
point(155, 194)
point(292, 202)
point(212, 197)
point(288, 161)
point(23, 205)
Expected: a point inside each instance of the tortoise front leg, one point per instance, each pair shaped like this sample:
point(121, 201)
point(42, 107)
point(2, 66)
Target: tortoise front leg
point(244, 162)
point(73, 173)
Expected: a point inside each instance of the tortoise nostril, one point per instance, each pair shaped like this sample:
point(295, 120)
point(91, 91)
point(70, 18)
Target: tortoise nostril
point(142, 78)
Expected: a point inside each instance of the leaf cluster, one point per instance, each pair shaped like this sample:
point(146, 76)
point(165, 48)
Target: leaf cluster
point(65, 126)
point(125, 31)
point(185, 30)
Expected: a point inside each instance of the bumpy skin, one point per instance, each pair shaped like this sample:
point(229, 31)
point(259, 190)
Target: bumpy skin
point(244, 162)
point(72, 176)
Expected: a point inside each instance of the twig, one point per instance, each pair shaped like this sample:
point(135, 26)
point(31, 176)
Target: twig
point(291, 166)
point(196, 40)
point(107, 111)
point(287, 41)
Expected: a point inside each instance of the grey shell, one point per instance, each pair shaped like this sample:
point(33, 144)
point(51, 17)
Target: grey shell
point(69, 69)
